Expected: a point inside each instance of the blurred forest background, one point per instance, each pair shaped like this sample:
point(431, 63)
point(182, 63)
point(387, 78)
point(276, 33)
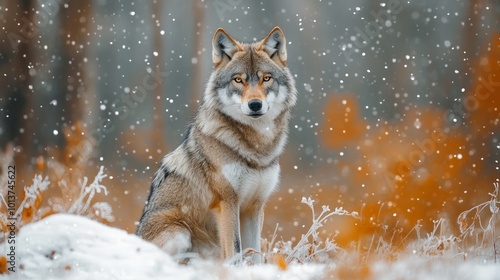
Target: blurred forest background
point(397, 118)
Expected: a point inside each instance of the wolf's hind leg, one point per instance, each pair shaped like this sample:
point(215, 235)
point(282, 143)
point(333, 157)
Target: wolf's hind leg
point(165, 229)
point(174, 240)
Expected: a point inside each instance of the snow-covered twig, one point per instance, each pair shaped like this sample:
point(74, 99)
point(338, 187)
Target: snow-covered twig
point(39, 185)
point(467, 229)
point(88, 192)
point(304, 251)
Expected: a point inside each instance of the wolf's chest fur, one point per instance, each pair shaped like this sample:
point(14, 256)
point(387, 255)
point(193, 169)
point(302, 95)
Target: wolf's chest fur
point(251, 184)
point(246, 158)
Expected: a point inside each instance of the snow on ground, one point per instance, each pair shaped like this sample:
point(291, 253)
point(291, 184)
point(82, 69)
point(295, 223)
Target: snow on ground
point(73, 247)
point(417, 268)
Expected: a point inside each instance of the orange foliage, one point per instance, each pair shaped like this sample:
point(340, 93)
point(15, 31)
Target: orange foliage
point(352, 270)
point(280, 261)
point(78, 145)
point(40, 162)
point(342, 121)
point(28, 213)
point(417, 169)
point(68, 165)
point(3, 265)
point(67, 170)
point(3, 226)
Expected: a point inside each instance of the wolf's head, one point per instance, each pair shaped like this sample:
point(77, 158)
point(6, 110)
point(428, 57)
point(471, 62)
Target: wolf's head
point(251, 80)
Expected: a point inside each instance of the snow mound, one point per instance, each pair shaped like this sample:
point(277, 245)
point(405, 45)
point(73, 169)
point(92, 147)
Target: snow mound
point(74, 247)
point(66, 246)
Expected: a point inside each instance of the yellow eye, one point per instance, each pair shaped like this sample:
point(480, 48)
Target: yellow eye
point(267, 78)
point(238, 80)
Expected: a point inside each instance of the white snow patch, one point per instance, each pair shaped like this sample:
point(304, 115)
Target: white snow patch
point(429, 269)
point(66, 246)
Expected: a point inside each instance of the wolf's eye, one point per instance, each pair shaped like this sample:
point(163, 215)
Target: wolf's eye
point(238, 80)
point(267, 78)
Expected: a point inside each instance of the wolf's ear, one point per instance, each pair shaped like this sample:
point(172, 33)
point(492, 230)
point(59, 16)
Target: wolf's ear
point(274, 44)
point(223, 45)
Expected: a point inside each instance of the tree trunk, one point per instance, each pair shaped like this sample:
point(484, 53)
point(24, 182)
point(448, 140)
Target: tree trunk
point(74, 27)
point(22, 34)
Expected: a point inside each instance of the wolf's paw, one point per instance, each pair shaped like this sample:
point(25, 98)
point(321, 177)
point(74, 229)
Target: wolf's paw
point(237, 259)
point(186, 258)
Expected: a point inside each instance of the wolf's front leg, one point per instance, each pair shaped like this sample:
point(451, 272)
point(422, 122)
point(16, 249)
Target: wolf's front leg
point(251, 229)
point(229, 229)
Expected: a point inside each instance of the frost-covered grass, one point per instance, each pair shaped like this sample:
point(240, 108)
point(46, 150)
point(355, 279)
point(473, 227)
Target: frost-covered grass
point(64, 177)
point(29, 209)
point(310, 248)
point(63, 246)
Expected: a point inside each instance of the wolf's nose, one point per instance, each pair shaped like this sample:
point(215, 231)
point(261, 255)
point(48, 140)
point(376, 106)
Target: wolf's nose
point(255, 105)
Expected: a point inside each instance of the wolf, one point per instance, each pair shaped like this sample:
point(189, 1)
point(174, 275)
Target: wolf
point(208, 195)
